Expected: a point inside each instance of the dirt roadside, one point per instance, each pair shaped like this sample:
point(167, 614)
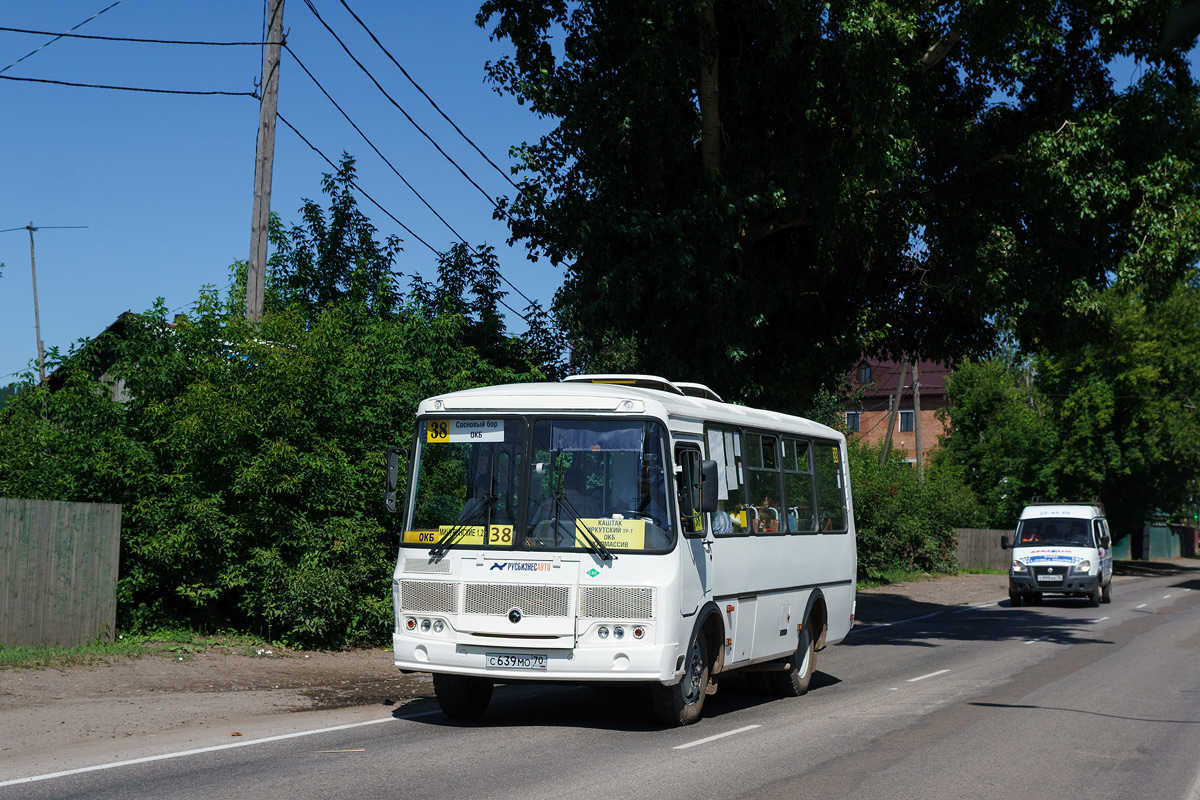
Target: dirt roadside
point(53, 719)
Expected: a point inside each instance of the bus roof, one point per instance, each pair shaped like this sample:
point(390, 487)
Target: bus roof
point(621, 394)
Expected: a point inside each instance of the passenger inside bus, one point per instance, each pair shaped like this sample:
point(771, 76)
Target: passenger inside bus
point(766, 519)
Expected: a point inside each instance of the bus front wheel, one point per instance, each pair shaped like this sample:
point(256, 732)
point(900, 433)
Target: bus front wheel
point(682, 703)
point(462, 696)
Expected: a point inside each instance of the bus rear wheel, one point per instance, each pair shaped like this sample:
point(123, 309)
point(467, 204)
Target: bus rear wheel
point(682, 703)
point(462, 696)
point(795, 680)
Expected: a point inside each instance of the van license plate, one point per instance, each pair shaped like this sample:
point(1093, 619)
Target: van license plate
point(1045, 578)
point(514, 661)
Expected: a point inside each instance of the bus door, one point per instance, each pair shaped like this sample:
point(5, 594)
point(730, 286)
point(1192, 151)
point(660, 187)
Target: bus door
point(696, 546)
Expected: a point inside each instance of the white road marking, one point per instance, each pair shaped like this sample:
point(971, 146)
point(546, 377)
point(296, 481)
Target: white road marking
point(1039, 639)
point(899, 621)
point(708, 739)
point(1166, 596)
point(212, 749)
point(1143, 605)
point(978, 605)
point(930, 675)
point(1100, 620)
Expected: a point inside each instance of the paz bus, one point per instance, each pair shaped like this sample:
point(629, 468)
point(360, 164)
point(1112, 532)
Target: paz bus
point(615, 529)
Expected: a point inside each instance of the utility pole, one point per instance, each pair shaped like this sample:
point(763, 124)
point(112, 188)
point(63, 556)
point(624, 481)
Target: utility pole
point(917, 420)
point(37, 323)
point(893, 412)
point(260, 217)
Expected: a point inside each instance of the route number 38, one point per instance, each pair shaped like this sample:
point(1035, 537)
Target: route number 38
point(438, 431)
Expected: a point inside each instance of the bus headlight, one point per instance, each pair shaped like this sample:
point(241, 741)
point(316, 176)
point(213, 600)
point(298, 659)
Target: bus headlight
point(426, 625)
point(438, 626)
point(1083, 566)
point(602, 632)
point(618, 632)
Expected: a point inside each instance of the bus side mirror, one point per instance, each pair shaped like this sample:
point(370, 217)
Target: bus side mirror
point(708, 486)
point(393, 477)
point(1004, 545)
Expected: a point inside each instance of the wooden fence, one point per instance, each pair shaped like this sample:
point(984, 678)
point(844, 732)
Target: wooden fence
point(979, 548)
point(58, 572)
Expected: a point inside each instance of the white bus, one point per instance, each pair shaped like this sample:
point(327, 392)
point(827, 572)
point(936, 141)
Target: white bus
point(617, 529)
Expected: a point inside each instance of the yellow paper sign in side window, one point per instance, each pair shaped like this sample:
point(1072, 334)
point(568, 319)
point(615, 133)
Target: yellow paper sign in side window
point(615, 534)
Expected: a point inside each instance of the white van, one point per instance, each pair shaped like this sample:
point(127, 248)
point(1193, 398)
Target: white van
point(1060, 548)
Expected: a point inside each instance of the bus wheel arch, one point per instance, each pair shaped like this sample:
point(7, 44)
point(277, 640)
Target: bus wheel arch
point(816, 617)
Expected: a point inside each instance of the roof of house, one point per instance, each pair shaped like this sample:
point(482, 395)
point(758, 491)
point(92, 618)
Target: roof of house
point(885, 374)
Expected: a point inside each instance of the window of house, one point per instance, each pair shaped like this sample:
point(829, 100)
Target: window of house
point(906, 421)
point(864, 373)
point(853, 420)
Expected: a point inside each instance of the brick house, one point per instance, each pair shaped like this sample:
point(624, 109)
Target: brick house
point(874, 380)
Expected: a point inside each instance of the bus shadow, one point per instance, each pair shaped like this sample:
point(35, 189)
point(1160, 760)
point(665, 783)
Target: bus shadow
point(611, 708)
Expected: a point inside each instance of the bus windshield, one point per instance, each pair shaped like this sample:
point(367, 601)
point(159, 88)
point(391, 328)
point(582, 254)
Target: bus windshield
point(591, 485)
point(598, 480)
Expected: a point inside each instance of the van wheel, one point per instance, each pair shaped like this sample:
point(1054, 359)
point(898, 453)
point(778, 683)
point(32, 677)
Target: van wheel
point(462, 696)
point(795, 681)
point(1014, 599)
point(1106, 592)
point(1093, 597)
point(682, 703)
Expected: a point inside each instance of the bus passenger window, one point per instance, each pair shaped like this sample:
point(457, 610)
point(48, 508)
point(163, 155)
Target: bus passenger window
point(831, 496)
point(732, 515)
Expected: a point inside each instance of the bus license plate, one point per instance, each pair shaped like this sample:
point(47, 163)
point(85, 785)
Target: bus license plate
point(513, 661)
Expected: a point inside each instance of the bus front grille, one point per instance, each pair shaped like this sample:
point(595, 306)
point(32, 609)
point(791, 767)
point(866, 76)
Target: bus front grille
point(534, 601)
point(438, 597)
point(616, 602)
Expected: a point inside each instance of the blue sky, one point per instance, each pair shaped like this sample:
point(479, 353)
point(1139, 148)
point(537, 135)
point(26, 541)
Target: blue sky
point(164, 183)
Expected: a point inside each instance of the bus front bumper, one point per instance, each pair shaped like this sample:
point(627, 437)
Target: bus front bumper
point(634, 663)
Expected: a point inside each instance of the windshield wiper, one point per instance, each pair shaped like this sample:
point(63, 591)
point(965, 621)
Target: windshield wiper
point(451, 538)
point(594, 545)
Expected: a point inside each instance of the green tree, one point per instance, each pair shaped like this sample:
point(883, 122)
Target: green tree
point(751, 194)
point(1127, 425)
point(1000, 433)
point(1107, 412)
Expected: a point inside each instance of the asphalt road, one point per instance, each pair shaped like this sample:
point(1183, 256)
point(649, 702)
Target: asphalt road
point(1059, 700)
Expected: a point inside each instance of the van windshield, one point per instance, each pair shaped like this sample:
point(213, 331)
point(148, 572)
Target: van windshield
point(1059, 531)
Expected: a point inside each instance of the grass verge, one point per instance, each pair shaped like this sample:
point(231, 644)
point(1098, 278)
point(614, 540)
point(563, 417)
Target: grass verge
point(176, 643)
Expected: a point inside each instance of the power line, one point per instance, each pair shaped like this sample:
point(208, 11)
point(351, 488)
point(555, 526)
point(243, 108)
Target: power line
point(391, 216)
point(126, 88)
point(400, 108)
point(416, 85)
point(130, 39)
point(56, 38)
point(372, 144)
point(367, 139)
point(329, 161)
